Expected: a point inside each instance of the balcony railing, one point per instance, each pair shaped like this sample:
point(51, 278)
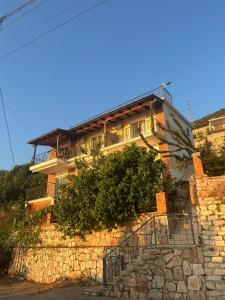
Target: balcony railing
point(43, 191)
point(122, 135)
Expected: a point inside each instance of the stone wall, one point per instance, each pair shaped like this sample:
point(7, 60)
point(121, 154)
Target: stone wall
point(57, 257)
point(163, 273)
point(209, 199)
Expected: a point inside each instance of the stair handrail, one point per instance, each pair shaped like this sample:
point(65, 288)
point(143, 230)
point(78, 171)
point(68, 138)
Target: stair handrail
point(122, 244)
point(139, 228)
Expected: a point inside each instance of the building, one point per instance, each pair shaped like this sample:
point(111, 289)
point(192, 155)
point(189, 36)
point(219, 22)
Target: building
point(114, 129)
point(211, 127)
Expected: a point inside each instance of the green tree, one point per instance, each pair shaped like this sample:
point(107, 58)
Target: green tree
point(213, 159)
point(14, 183)
point(108, 191)
point(128, 182)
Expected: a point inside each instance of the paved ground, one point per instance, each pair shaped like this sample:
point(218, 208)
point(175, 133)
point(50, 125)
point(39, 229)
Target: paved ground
point(14, 290)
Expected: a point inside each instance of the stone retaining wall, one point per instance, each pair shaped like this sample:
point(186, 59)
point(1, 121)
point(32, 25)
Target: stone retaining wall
point(163, 273)
point(209, 199)
point(58, 257)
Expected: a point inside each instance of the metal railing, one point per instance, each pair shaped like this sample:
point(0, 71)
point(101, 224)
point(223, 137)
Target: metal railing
point(133, 131)
point(169, 229)
point(42, 157)
point(160, 92)
point(122, 135)
point(41, 191)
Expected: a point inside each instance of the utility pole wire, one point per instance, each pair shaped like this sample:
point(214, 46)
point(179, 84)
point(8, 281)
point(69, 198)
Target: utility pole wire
point(53, 29)
point(21, 16)
point(21, 119)
point(7, 127)
point(58, 13)
point(13, 12)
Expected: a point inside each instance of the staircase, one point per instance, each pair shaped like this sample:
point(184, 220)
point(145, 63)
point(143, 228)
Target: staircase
point(127, 265)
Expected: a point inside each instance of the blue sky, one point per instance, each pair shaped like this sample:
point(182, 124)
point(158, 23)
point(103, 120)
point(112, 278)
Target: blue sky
point(116, 52)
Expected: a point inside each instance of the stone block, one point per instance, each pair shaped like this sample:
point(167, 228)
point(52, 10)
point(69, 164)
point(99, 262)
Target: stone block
point(169, 275)
point(168, 257)
point(219, 272)
point(158, 281)
point(194, 283)
point(186, 267)
point(156, 270)
point(155, 294)
point(210, 285)
point(197, 269)
point(170, 286)
point(175, 261)
point(196, 295)
point(181, 287)
point(179, 296)
point(178, 273)
point(217, 259)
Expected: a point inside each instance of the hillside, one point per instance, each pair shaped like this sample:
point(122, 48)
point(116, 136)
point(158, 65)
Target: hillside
point(204, 120)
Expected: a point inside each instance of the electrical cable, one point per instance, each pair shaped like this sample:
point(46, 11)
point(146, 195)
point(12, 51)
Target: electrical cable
point(21, 16)
point(52, 29)
point(13, 12)
point(20, 118)
point(7, 127)
point(58, 13)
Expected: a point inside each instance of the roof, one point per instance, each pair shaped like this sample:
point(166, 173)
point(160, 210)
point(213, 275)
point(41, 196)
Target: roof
point(125, 109)
point(49, 138)
point(115, 114)
point(202, 122)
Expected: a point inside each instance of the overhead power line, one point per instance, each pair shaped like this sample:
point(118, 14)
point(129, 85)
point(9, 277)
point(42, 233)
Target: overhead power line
point(59, 13)
point(21, 16)
point(20, 118)
point(7, 127)
point(15, 11)
point(53, 29)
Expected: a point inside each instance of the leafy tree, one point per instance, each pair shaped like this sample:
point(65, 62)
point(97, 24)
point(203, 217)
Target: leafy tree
point(108, 191)
point(14, 183)
point(213, 159)
point(128, 182)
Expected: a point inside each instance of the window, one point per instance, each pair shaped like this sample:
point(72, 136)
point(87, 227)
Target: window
point(136, 127)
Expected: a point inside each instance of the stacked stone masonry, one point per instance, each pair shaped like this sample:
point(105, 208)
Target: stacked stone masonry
point(57, 257)
point(210, 209)
point(162, 273)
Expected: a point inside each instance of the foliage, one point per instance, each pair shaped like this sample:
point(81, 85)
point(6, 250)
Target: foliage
point(17, 229)
point(213, 159)
point(108, 190)
point(14, 183)
point(127, 185)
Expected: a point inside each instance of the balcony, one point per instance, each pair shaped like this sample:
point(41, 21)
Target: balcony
point(41, 193)
point(48, 162)
point(131, 133)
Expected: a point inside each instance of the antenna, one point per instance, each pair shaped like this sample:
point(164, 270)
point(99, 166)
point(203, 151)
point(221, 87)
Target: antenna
point(189, 110)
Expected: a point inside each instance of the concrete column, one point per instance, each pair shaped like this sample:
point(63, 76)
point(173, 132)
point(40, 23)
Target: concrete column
point(162, 202)
point(198, 166)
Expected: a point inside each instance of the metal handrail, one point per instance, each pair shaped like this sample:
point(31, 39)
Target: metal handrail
point(165, 229)
point(146, 222)
point(41, 191)
point(160, 92)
